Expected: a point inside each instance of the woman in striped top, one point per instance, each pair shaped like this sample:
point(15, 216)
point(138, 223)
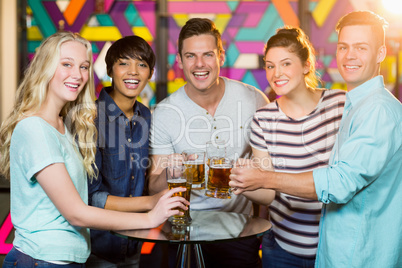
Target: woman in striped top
point(295, 133)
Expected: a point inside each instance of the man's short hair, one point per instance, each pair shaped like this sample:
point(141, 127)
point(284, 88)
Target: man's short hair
point(376, 22)
point(199, 26)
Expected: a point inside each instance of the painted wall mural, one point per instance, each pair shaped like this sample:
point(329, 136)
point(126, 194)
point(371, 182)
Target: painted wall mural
point(245, 27)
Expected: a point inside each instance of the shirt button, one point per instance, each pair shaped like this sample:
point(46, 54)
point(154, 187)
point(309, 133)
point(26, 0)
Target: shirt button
point(207, 113)
point(132, 177)
point(131, 195)
point(214, 127)
point(129, 140)
point(216, 137)
point(126, 123)
point(134, 123)
point(214, 119)
point(132, 158)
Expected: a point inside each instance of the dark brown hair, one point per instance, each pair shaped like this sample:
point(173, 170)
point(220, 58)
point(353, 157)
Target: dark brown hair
point(297, 42)
point(199, 26)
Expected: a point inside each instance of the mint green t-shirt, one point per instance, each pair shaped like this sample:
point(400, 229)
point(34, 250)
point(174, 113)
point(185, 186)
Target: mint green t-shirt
point(40, 230)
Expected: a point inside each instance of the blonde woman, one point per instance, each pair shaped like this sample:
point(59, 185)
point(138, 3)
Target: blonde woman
point(47, 150)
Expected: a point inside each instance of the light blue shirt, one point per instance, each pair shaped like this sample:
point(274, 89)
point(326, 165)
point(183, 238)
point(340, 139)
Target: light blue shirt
point(361, 223)
point(40, 230)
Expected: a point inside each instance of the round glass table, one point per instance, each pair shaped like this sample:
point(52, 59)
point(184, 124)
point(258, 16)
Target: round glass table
point(206, 227)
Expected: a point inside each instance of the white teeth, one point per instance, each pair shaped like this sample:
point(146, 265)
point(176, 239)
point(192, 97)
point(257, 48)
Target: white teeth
point(352, 67)
point(281, 82)
point(71, 85)
point(200, 73)
point(131, 81)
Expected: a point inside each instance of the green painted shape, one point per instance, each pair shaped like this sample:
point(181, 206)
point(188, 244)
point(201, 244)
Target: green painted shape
point(269, 22)
point(33, 22)
point(327, 59)
point(333, 38)
point(104, 20)
point(312, 6)
point(32, 46)
point(43, 20)
point(248, 78)
point(133, 17)
point(232, 5)
point(95, 48)
point(171, 59)
point(232, 53)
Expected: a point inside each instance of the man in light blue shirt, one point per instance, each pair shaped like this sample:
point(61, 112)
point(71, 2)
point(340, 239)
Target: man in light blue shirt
point(361, 188)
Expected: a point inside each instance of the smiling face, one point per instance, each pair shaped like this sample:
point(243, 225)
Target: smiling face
point(71, 74)
point(358, 55)
point(285, 71)
point(130, 77)
point(200, 62)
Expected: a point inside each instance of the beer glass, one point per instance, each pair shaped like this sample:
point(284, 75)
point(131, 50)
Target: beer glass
point(194, 162)
point(218, 177)
point(176, 178)
point(215, 149)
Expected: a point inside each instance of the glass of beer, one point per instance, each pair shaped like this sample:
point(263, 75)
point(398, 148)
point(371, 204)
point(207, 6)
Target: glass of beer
point(176, 178)
point(215, 149)
point(194, 162)
point(218, 177)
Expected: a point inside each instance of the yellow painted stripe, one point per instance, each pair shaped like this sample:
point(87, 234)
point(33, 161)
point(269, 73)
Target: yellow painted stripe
point(103, 33)
point(321, 11)
point(221, 21)
point(33, 34)
point(180, 19)
point(143, 32)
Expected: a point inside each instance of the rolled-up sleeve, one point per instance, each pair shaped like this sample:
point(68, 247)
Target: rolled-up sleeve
point(360, 155)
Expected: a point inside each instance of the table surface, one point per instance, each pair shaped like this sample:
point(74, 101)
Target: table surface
point(206, 227)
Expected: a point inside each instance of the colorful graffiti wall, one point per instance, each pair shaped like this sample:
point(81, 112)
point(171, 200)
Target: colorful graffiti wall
point(245, 27)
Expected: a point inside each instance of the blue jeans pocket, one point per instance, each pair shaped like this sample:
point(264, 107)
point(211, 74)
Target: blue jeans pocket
point(268, 240)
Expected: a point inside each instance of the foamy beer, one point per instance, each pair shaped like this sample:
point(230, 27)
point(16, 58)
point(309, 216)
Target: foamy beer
point(194, 162)
point(176, 178)
point(218, 177)
point(215, 149)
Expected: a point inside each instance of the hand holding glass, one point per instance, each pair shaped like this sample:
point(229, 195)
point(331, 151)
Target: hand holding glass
point(176, 178)
point(218, 177)
point(194, 162)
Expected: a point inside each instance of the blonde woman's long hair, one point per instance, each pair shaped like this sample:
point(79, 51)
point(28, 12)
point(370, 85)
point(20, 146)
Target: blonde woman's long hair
point(78, 115)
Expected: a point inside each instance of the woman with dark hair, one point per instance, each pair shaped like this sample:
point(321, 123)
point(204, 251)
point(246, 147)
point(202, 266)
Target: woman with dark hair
point(293, 134)
point(122, 149)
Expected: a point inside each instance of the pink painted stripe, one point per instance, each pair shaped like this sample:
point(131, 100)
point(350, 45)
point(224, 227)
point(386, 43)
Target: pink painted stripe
point(5, 231)
point(250, 47)
point(198, 7)
point(108, 4)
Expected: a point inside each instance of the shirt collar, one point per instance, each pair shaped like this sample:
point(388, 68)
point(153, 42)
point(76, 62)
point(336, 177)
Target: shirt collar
point(110, 107)
point(359, 93)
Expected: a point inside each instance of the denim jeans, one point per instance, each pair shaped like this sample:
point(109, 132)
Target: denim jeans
point(273, 256)
point(18, 259)
point(96, 262)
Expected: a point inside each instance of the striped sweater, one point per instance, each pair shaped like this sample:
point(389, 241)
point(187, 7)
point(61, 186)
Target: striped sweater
point(297, 145)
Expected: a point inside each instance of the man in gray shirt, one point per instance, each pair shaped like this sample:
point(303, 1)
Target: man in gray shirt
point(208, 107)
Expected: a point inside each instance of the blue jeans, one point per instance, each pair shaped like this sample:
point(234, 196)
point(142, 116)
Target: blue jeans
point(96, 262)
point(273, 256)
point(18, 259)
